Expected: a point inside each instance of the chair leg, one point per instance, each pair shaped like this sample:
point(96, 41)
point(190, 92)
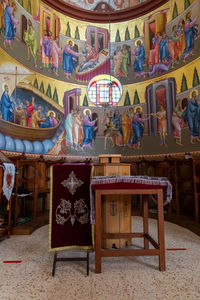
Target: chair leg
point(54, 264)
point(88, 263)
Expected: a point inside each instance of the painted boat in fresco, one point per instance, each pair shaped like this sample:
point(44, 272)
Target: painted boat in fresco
point(28, 133)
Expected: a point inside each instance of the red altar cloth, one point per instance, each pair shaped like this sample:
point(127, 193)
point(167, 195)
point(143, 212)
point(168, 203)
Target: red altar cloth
point(130, 182)
point(70, 207)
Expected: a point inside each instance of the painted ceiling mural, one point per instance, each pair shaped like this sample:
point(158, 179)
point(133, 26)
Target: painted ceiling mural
point(106, 5)
point(70, 87)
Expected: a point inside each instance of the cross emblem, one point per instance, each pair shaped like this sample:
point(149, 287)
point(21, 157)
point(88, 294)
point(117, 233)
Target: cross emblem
point(72, 183)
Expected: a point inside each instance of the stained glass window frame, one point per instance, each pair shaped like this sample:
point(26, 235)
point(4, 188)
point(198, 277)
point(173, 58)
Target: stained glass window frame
point(104, 90)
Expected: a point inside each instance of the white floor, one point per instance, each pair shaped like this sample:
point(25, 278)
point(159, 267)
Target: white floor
point(131, 278)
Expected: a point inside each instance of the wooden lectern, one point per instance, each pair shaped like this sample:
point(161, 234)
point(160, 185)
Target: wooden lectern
point(116, 210)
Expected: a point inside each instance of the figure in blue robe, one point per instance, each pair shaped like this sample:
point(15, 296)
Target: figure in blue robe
point(69, 59)
point(138, 128)
point(10, 23)
point(6, 105)
point(190, 33)
point(191, 116)
point(46, 124)
point(117, 121)
point(164, 53)
point(139, 58)
point(89, 130)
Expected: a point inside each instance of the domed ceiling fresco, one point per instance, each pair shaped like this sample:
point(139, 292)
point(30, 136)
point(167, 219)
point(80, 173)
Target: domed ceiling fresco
point(76, 87)
point(106, 5)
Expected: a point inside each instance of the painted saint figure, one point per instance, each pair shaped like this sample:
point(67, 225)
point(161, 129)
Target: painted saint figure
point(68, 128)
point(45, 49)
point(190, 32)
point(139, 54)
point(29, 110)
point(30, 39)
point(178, 122)
point(69, 59)
point(50, 120)
point(21, 114)
point(89, 129)
point(191, 116)
point(77, 131)
point(56, 56)
point(10, 24)
point(161, 115)
point(126, 128)
point(36, 118)
point(154, 53)
point(125, 62)
point(6, 105)
point(164, 53)
point(174, 45)
point(138, 127)
point(117, 60)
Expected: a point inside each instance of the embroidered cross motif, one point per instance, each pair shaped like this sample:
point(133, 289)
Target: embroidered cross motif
point(72, 183)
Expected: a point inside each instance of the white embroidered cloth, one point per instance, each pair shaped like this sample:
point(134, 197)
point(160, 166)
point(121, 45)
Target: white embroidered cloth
point(8, 179)
point(163, 182)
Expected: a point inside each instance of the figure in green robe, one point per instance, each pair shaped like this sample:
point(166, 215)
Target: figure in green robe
point(30, 39)
point(125, 62)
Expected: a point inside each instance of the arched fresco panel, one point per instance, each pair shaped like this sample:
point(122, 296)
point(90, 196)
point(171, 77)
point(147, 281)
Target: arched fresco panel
point(48, 59)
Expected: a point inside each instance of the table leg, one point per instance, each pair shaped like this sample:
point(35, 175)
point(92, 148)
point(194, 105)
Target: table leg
point(161, 240)
point(97, 231)
point(145, 221)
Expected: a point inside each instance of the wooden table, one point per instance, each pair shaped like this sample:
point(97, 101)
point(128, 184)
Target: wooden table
point(131, 189)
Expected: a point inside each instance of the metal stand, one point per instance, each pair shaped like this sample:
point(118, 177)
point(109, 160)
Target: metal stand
point(86, 258)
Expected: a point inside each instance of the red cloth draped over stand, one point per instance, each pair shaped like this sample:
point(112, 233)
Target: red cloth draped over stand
point(70, 207)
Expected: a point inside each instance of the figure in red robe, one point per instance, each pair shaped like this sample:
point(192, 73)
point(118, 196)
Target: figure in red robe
point(29, 110)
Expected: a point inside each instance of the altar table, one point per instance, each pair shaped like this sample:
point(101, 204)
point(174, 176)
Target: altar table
point(132, 185)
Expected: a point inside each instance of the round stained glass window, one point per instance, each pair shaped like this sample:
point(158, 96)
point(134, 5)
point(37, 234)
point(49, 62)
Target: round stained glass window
point(104, 90)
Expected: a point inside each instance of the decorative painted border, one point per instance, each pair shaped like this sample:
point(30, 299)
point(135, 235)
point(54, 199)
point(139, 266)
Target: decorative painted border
point(105, 17)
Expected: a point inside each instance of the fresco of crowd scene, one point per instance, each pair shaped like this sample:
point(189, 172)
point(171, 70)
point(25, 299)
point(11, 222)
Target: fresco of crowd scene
point(126, 130)
point(166, 51)
point(26, 114)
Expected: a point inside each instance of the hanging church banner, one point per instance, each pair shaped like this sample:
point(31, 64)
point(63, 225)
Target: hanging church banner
point(76, 88)
point(70, 207)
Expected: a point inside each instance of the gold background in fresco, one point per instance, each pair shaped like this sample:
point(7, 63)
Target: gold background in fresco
point(63, 86)
point(35, 4)
point(114, 26)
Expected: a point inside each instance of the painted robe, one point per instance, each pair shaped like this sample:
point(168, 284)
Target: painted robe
point(138, 128)
point(45, 49)
point(126, 128)
point(29, 111)
point(164, 53)
point(10, 23)
point(69, 62)
point(56, 53)
point(154, 53)
point(139, 60)
point(68, 128)
point(6, 107)
point(77, 131)
point(189, 36)
point(89, 134)
point(30, 39)
point(178, 122)
point(191, 117)
point(162, 122)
